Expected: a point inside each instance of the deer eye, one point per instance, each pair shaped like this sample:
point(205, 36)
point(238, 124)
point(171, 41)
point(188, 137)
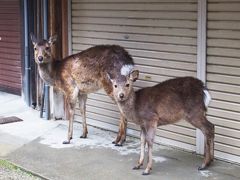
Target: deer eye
point(115, 86)
point(47, 48)
point(35, 49)
point(127, 85)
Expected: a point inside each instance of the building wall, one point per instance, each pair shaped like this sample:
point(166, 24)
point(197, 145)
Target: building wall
point(10, 46)
point(161, 35)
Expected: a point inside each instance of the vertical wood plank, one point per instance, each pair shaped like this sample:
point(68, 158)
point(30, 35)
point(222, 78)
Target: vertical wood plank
point(64, 28)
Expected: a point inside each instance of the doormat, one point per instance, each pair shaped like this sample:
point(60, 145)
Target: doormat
point(10, 119)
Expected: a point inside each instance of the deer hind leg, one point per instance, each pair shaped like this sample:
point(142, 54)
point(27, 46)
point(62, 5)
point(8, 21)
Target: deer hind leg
point(71, 102)
point(82, 98)
point(207, 129)
point(121, 137)
point(143, 144)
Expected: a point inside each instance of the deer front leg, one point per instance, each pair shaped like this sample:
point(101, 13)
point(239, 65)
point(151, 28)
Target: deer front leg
point(141, 159)
point(70, 114)
point(71, 102)
point(149, 164)
point(82, 105)
point(150, 139)
point(121, 137)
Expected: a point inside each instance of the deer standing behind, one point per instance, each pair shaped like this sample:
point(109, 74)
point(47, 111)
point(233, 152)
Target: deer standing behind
point(80, 74)
point(166, 103)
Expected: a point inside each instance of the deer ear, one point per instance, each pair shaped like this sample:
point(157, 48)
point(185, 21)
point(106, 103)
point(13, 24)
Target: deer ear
point(109, 77)
point(52, 39)
point(33, 38)
point(133, 76)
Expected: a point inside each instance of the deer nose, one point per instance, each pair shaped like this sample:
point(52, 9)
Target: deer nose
point(40, 58)
point(121, 95)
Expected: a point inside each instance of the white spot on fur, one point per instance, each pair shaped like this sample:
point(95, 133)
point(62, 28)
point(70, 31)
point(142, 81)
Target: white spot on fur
point(126, 69)
point(207, 98)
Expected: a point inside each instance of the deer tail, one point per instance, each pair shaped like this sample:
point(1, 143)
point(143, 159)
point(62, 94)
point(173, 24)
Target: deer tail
point(207, 97)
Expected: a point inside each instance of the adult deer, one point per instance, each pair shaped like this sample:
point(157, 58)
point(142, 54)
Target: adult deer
point(80, 74)
point(166, 103)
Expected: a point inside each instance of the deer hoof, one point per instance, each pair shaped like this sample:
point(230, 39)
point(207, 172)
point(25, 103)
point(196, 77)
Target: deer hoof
point(145, 173)
point(56, 119)
point(136, 167)
point(122, 141)
point(83, 136)
point(203, 167)
point(66, 142)
point(119, 145)
point(116, 141)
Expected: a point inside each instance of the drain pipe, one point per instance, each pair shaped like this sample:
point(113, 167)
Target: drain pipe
point(45, 36)
point(27, 68)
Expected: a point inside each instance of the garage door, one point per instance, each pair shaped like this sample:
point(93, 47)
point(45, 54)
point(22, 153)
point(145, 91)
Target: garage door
point(10, 47)
point(223, 75)
point(161, 37)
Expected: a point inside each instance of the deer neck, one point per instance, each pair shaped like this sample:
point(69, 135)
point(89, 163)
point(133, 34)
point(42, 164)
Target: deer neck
point(47, 73)
point(128, 108)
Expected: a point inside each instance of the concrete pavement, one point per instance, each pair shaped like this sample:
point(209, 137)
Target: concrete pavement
point(36, 145)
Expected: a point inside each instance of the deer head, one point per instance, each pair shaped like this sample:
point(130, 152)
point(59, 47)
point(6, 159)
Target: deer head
point(42, 49)
point(123, 85)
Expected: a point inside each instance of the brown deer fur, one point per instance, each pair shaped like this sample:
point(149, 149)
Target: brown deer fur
point(166, 103)
point(80, 74)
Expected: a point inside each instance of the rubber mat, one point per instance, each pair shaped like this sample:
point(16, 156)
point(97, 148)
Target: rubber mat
point(10, 119)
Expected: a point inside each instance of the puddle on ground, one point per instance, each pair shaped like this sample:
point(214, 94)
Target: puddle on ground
point(97, 138)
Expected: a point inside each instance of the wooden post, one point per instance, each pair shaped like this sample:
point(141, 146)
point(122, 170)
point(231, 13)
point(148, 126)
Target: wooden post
point(57, 26)
point(38, 32)
point(64, 28)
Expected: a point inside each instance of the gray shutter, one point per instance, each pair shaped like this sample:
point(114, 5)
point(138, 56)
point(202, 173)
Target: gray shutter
point(161, 37)
point(223, 76)
point(10, 46)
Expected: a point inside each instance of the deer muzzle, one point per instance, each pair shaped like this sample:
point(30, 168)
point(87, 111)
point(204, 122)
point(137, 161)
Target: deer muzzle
point(40, 58)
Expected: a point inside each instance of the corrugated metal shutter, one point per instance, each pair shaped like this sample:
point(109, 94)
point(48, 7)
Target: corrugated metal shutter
point(10, 46)
point(223, 75)
point(161, 37)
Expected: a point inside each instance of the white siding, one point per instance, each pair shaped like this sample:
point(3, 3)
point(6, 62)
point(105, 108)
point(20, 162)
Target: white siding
point(223, 75)
point(161, 37)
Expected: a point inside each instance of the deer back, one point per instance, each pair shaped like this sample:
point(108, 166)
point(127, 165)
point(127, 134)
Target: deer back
point(172, 100)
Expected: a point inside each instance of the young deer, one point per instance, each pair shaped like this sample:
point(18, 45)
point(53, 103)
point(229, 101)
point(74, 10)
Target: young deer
point(82, 73)
point(166, 103)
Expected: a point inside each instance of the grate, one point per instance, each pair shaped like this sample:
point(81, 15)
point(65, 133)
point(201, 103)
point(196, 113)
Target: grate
point(10, 119)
